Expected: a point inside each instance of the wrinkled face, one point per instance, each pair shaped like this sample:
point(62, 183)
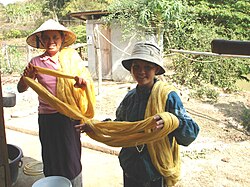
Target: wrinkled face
point(52, 41)
point(144, 72)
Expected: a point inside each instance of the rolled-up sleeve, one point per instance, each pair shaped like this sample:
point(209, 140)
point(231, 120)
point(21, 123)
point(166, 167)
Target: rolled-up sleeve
point(188, 129)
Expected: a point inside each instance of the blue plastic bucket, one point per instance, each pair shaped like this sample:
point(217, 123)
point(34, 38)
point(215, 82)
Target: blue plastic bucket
point(53, 181)
point(15, 155)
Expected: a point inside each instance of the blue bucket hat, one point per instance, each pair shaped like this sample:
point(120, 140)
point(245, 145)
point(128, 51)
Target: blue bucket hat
point(145, 51)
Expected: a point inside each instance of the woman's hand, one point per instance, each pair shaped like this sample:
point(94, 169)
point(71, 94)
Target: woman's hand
point(83, 128)
point(159, 122)
point(30, 71)
point(80, 83)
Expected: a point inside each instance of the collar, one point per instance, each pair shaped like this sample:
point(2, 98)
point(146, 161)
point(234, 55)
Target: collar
point(45, 57)
point(145, 91)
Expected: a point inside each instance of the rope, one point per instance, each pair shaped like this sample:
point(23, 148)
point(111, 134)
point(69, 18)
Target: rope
point(112, 43)
point(29, 168)
point(130, 54)
point(184, 56)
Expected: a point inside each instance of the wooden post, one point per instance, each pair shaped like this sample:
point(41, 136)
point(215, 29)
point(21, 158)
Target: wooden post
point(28, 53)
point(99, 57)
point(6, 54)
point(5, 180)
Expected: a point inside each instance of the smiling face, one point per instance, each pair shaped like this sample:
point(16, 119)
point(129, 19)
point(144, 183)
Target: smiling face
point(52, 41)
point(144, 72)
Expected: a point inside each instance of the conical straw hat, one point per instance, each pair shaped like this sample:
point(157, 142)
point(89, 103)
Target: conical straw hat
point(145, 51)
point(34, 39)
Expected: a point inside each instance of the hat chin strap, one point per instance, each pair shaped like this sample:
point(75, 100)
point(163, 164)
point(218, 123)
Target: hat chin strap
point(157, 70)
point(63, 40)
point(62, 43)
point(38, 41)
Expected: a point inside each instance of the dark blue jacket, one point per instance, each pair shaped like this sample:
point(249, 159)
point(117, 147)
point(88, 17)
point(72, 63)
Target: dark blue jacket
point(133, 107)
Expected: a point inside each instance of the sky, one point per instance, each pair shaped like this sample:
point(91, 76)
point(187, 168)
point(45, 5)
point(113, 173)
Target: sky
point(5, 2)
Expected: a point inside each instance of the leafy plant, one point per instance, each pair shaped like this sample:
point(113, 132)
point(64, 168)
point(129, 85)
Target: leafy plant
point(80, 31)
point(15, 61)
point(146, 16)
point(205, 94)
point(15, 33)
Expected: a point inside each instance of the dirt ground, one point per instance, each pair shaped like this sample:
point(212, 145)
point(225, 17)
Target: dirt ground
point(219, 157)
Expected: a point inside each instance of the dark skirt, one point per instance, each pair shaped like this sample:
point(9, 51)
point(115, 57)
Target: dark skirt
point(61, 145)
point(131, 182)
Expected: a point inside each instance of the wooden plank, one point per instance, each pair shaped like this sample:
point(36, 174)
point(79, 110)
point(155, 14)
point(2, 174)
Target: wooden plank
point(2, 176)
point(233, 47)
point(208, 54)
point(4, 163)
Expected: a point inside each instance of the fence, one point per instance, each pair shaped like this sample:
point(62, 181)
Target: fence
point(14, 58)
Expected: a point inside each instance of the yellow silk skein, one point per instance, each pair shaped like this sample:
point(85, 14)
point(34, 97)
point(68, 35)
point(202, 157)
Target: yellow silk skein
point(79, 104)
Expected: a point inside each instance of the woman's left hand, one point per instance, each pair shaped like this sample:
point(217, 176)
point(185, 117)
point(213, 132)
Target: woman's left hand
point(83, 128)
point(80, 83)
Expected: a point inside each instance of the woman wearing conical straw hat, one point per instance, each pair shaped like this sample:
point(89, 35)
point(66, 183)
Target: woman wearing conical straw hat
point(61, 145)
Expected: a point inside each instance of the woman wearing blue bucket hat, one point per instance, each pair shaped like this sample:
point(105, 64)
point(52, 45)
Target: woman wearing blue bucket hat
point(140, 164)
point(157, 162)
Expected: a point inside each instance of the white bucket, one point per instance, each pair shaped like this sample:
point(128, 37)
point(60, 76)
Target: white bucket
point(53, 181)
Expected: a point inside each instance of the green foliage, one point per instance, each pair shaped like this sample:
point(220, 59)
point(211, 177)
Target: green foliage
point(190, 25)
point(15, 33)
point(24, 12)
point(245, 117)
point(205, 94)
point(15, 61)
point(232, 15)
point(80, 31)
point(198, 70)
point(191, 35)
point(53, 7)
point(83, 5)
point(146, 16)
point(33, 10)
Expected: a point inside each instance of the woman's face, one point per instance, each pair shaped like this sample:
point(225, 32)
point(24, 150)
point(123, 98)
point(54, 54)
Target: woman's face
point(144, 72)
point(52, 41)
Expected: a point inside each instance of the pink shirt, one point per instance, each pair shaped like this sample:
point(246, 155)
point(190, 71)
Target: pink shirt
point(49, 82)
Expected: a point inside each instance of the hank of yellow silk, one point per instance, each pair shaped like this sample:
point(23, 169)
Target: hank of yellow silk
point(64, 108)
point(113, 133)
point(165, 157)
point(116, 133)
point(128, 134)
point(73, 102)
point(71, 64)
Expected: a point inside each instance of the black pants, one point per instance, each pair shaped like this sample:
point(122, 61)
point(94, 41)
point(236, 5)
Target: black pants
point(130, 182)
point(61, 145)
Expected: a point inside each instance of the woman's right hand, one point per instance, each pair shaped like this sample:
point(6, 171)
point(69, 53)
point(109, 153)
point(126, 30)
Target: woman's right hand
point(30, 71)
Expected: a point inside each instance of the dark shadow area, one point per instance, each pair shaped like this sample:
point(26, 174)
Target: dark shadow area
point(25, 180)
point(232, 109)
point(235, 111)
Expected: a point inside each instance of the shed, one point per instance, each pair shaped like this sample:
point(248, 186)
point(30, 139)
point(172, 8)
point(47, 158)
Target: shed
point(105, 47)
